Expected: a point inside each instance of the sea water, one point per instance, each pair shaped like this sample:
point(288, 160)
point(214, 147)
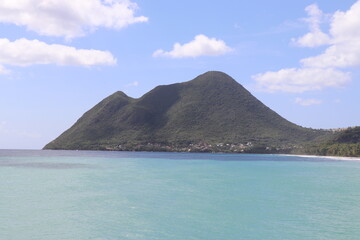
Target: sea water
point(180, 196)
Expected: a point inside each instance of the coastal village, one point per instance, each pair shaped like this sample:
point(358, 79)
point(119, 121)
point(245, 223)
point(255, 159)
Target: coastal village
point(197, 147)
point(247, 147)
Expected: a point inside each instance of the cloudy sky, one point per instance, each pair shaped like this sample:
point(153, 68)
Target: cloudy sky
point(58, 58)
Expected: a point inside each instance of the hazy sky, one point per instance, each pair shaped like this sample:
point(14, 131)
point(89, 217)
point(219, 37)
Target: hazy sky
point(58, 58)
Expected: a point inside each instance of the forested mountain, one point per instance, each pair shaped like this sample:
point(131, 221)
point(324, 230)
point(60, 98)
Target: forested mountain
point(212, 112)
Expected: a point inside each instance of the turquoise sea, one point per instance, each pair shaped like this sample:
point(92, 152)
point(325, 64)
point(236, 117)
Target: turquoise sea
point(176, 196)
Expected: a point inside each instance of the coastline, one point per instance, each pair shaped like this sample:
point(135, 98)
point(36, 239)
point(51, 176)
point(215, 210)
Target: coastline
point(334, 158)
point(337, 158)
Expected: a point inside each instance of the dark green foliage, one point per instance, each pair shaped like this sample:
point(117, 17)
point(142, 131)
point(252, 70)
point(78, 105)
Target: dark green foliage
point(213, 108)
point(350, 135)
point(344, 143)
point(336, 149)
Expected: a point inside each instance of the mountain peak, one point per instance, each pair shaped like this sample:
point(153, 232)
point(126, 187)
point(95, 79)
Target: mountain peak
point(213, 108)
point(214, 76)
point(120, 94)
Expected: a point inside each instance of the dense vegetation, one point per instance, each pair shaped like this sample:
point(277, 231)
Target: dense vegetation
point(210, 113)
point(345, 143)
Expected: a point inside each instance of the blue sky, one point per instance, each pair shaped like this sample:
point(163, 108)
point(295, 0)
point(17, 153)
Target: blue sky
point(59, 58)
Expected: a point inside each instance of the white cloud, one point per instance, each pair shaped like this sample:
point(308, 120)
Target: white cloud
point(133, 84)
point(308, 102)
point(200, 46)
point(315, 37)
point(345, 26)
point(321, 71)
point(343, 38)
point(24, 52)
point(301, 80)
point(69, 18)
point(341, 55)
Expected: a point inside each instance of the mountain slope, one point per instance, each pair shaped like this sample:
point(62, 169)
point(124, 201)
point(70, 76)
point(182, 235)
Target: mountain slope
point(342, 143)
point(213, 108)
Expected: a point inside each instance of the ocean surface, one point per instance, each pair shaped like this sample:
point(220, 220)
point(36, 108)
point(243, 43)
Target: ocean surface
point(176, 196)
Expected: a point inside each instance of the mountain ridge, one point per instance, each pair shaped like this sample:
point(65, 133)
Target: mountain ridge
point(211, 109)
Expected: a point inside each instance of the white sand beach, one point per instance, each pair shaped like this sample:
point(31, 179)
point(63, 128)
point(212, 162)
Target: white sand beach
point(336, 158)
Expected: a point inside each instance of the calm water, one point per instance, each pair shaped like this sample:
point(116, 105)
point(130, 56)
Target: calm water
point(176, 196)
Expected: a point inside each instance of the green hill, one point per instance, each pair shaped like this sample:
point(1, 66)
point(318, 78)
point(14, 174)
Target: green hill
point(350, 135)
point(343, 143)
point(210, 113)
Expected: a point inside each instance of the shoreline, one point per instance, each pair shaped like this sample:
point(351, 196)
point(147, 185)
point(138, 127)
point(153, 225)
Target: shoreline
point(335, 158)
point(338, 158)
